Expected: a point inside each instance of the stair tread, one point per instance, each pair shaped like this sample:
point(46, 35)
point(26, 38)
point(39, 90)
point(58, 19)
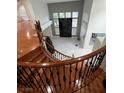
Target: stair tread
point(35, 56)
point(40, 60)
point(46, 60)
point(30, 55)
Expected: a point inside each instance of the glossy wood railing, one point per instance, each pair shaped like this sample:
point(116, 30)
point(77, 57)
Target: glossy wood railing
point(60, 77)
point(42, 40)
point(56, 55)
point(55, 73)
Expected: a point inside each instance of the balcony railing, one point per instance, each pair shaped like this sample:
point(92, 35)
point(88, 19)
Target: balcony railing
point(57, 75)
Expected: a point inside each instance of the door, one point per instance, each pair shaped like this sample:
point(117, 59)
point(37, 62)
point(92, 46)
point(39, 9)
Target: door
point(65, 27)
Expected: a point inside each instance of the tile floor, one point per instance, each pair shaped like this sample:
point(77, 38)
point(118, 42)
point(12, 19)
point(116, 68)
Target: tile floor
point(69, 46)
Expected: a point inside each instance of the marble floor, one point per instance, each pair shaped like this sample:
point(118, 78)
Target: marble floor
point(69, 46)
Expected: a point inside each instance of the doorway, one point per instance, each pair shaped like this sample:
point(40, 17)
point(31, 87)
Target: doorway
point(65, 27)
point(73, 15)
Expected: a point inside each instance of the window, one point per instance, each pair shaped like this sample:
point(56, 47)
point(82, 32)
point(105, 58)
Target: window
point(68, 14)
point(61, 15)
point(74, 22)
point(55, 15)
point(56, 22)
point(74, 14)
point(75, 19)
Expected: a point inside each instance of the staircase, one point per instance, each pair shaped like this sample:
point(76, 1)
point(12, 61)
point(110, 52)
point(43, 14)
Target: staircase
point(40, 71)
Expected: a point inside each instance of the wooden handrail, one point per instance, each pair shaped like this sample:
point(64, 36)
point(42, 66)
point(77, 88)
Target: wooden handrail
point(42, 40)
point(58, 74)
point(70, 73)
point(89, 55)
point(59, 63)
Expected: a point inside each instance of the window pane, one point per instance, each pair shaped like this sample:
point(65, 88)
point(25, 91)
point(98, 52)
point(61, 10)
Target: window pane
point(74, 30)
point(56, 22)
point(68, 14)
point(74, 22)
point(55, 15)
point(74, 14)
point(61, 15)
point(57, 31)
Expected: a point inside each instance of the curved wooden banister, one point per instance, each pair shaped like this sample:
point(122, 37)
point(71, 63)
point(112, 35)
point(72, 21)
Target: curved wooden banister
point(103, 49)
point(58, 75)
point(60, 56)
point(73, 73)
point(57, 50)
point(66, 62)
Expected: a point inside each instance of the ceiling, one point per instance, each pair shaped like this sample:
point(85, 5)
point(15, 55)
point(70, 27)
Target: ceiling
point(56, 1)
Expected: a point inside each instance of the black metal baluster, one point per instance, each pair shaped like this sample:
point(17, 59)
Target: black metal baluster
point(90, 67)
point(58, 55)
point(70, 75)
point(30, 78)
point(90, 63)
point(24, 82)
point(20, 81)
point(64, 77)
point(35, 78)
point(54, 84)
point(97, 62)
point(80, 72)
point(101, 58)
point(27, 81)
point(58, 77)
point(95, 57)
point(75, 74)
point(54, 55)
point(19, 78)
point(85, 69)
point(37, 71)
point(42, 81)
point(47, 80)
point(61, 56)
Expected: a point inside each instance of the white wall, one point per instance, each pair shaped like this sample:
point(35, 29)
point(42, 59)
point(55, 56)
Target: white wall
point(29, 9)
point(99, 42)
point(40, 9)
point(85, 19)
point(97, 21)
